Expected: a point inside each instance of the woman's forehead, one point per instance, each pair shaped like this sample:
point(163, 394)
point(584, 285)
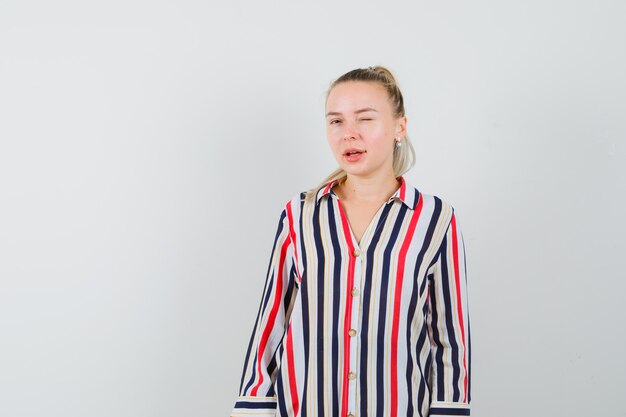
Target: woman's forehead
point(361, 94)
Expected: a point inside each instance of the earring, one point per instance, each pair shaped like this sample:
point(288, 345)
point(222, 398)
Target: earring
point(398, 143)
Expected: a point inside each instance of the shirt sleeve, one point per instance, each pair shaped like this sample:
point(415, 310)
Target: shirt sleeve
point(256, 390)
point(448, 327)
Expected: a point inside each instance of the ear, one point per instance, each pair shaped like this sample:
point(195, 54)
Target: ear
point(401, 127)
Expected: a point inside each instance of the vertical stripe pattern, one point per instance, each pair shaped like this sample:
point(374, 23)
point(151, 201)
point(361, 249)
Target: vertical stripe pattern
point(371, 327)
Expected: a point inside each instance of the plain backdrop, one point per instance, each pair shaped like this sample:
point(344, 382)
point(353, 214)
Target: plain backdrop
point(147, 148)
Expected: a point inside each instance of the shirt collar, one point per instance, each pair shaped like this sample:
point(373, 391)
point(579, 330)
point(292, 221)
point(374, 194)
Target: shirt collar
point(406, 193)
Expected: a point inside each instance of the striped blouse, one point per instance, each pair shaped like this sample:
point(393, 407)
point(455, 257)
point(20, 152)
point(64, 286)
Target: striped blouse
point(373, 328)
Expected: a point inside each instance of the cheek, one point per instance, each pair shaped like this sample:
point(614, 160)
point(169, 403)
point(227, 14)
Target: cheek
point(374, 129)
point(332, 141)
point(333, 135)
point(333, 131)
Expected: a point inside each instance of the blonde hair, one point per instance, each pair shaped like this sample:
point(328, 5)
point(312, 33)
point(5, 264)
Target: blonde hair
point(403, 156)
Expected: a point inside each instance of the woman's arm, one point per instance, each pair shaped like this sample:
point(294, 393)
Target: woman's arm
point(448, 326)
point(256, 391)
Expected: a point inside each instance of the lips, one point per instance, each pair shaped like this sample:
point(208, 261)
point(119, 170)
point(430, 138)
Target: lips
point(353, 151)
point(353, 155)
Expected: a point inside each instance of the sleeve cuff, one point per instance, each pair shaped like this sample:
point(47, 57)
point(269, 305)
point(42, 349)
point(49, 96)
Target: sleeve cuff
point(441, 408)
point(254, 406)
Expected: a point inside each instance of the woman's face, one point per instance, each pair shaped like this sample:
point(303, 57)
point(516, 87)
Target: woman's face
point(359, 116)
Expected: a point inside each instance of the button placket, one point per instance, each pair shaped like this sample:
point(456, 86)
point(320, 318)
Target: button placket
point(353, 331)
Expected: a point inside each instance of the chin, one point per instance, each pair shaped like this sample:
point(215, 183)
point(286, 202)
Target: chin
point(355, 171)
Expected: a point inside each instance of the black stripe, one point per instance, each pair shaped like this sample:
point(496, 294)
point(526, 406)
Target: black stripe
point(450, 411)
point(382, 309)
point(277, 358)
point(257, 405)
point(366, 294)
point(417, 293)
point(321, 266)
point(449, 326)
point(421, 397)
point(435, 334)
point(416, 284)
point(336, 277)
point(280, 394)
point(288, 298)
point(304, 298)
point(421, 341)
point(416, 197)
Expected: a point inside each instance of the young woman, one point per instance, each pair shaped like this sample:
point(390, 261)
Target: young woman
point(364, 310)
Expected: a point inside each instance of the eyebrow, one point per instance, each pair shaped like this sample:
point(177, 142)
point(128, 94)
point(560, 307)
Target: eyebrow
point(366, 109)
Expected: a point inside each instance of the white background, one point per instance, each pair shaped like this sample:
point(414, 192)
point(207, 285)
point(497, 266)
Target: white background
point(147, 148)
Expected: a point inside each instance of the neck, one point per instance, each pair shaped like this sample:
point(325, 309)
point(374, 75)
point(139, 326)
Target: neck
point(369, 190)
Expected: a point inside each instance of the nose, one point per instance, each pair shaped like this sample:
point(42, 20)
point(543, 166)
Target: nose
point(350, 131)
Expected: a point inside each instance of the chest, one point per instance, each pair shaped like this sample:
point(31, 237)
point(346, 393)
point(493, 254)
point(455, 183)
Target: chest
point(334, 239)
point(360, 216)
point(380, 259)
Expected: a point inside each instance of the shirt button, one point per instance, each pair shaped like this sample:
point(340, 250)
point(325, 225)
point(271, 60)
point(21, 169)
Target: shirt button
point(351, 375)
point(356, 252)
point(352, 332)
point(354, 292)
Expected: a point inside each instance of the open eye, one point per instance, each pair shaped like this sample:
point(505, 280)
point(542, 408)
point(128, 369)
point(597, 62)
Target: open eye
point(334, 121)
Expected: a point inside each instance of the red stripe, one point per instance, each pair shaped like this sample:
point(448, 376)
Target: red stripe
point(292, 234)
point(396, 308)
point(290, 354)
point(292, 374)
point(272, 317)
point(328, 186)
point(348, 317)
point(290, 360)
point(455, 255)
point(402, 188)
